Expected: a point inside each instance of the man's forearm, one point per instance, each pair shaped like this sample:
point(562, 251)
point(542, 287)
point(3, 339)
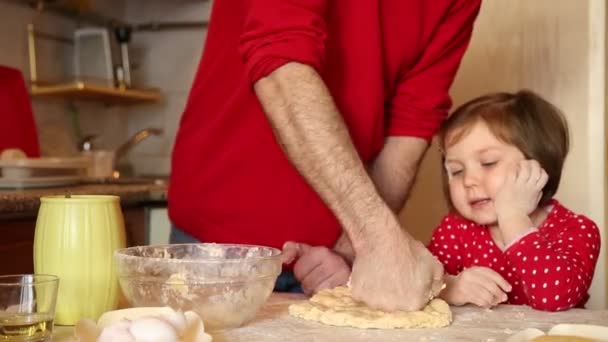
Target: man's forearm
point(395, 169)
point(345, 248)
point(313, 135)
point(393, 174)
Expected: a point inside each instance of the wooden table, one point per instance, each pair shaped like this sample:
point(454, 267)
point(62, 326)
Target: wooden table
point(273, 323)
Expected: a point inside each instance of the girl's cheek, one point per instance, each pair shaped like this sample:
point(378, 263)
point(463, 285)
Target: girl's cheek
point(456, 193)
point(493, 181)
point(453, 190)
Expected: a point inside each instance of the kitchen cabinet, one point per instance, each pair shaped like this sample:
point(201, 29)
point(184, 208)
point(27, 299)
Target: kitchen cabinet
point(17, 242)
point(16, 246)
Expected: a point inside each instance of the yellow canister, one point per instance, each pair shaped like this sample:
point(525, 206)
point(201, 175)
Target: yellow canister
point(75, 239)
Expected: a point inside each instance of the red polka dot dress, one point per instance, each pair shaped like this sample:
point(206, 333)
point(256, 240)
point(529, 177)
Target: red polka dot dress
point(549, 269)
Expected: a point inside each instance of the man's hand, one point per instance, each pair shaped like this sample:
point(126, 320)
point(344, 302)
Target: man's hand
point(317, 268)
point(396, 274)
point(344, 248)
point(481, 286)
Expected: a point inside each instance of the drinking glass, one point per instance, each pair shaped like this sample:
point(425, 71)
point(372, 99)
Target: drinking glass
point(27, 307)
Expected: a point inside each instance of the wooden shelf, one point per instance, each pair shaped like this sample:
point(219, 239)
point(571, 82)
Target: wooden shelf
point(78, 90)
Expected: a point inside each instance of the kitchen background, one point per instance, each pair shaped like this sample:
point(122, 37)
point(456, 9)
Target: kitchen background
point(554, 47)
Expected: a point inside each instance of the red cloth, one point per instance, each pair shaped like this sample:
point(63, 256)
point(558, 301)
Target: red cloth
point(18, 128)
point(388, 65)
point(550, 269)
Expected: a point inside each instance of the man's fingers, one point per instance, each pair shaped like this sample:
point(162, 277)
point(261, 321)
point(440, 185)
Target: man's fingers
point(311, 258)
point(293, 250)
point(337, 279)
point(290, 252)
point(312, 280)
point(303, 248)
point(321, 269)
point(305, 265)
point(438, 283)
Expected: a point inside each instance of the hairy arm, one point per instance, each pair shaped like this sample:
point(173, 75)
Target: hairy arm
point(311, 131)
point(394, 170)
point(393, 173)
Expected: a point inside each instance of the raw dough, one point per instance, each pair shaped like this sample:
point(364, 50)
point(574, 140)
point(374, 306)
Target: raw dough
point(337, 307)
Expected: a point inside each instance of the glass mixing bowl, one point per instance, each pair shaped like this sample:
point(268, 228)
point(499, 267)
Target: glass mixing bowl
point(225, 284)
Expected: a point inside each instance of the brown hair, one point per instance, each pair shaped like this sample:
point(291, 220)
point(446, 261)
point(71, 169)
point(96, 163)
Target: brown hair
point(523, 119)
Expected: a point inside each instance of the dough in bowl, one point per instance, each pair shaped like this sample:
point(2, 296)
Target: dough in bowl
point(337, 307)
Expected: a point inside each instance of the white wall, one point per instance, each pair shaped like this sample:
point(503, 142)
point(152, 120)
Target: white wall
point(557, 49)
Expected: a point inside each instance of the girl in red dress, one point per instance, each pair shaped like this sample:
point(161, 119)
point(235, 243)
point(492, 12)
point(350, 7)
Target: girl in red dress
point(506, 239)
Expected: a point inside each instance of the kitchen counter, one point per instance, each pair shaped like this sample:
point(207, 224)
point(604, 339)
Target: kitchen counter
point(26, 202)
point(273, 323)
point(19, 209)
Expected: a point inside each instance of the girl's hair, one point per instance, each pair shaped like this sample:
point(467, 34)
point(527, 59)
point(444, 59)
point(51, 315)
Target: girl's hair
point(523, 119)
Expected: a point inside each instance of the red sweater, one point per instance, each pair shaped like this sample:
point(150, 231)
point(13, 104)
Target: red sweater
point(550, 269)
point(388, 65)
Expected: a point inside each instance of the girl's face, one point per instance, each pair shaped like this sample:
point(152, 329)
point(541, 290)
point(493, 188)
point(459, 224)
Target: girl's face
point(477, 166)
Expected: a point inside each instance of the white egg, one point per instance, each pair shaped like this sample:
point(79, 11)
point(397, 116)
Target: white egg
point(177, 319)
point(86, 330)
point(195, 329)
point(153, 330)
point(117, 332)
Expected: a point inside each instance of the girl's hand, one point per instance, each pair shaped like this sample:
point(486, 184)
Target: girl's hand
point(521, 191)
point(478, 285)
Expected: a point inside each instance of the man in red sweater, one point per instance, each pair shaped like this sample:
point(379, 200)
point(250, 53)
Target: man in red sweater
point(307, 119)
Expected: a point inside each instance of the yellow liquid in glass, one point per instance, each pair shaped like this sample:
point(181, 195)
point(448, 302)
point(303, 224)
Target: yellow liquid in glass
point(26, 328)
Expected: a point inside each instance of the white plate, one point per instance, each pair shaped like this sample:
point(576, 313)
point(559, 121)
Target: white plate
point(38, 182)
point(47, 163)
point(596, 332)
